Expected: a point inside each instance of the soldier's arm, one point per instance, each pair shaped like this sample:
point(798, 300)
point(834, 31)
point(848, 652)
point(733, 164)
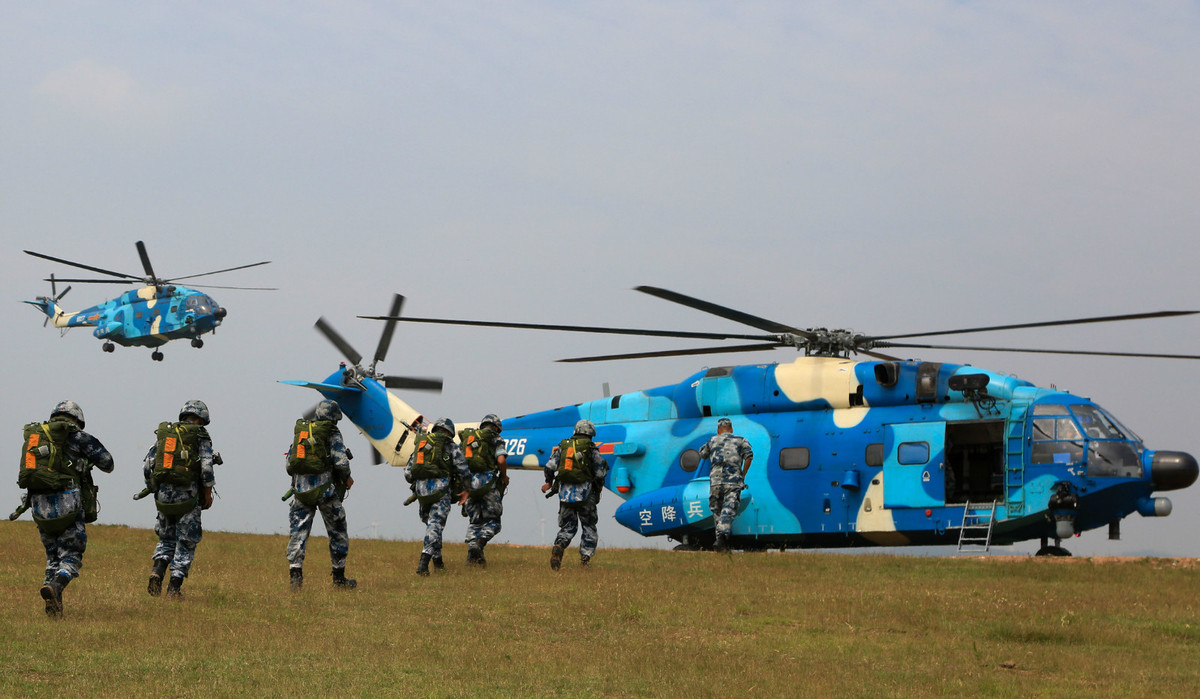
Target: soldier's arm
point(339, 454)
point(550, 469)
point(91, 449)
point(148, 466)
point(502, 459)
point(748, 456)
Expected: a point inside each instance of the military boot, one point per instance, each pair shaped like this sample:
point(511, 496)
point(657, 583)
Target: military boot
point(438, 564)
point(474, 553)
point(556, 555)
point(423, 564)
point(340, 579)
point(585, 561)
point(482, 559)
point(52, 594)
point(721, 545)
point(174, 587)
point(156, 575)
point(297, 578)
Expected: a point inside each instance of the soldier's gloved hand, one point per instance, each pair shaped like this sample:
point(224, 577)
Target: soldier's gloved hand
point(349, 482)
point(545, 487)
point(206, 497)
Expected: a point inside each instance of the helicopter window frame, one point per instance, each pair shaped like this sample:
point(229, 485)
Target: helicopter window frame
point(913, 453)
point(689, 460)
point(794, 458)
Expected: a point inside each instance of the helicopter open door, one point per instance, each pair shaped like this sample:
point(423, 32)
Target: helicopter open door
point(914, 465)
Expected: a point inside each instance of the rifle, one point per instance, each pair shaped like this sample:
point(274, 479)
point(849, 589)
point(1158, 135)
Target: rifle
point(20, 508)
point(288, 494)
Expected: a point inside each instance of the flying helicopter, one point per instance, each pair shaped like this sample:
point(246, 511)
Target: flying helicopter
point(885, 452)
point(150, 316)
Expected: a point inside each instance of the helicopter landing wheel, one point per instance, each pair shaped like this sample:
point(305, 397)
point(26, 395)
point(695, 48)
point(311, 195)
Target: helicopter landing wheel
point(156, 356)
point(197, 342)
point(1052, 551)
point(108, 347)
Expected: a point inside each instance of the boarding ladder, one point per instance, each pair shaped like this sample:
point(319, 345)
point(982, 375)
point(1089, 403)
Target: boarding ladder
point(976, 531)
point(1014, 467)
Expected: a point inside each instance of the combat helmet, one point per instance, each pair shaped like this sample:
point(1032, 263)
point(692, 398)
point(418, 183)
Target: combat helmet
point(585, 428)
point(444, 423)
point(197, 408)
point(328, 410)
point(492, 419)
point(71, 409)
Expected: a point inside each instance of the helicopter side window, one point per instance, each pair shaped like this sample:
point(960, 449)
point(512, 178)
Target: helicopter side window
point(1056, 441)
point(689, 460)
point(874, 455)
point(913, 453)
point(1049, 409)
point(793, 458)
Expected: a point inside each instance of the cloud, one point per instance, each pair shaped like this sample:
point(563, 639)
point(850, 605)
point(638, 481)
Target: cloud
point(106, 95)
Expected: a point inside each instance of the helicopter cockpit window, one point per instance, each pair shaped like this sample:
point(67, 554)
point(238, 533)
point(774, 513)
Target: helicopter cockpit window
point(913, 453)
point(1110, 451)
point(1096, 424)
point(1049, 409)
point(793, 458)
point(199, 304)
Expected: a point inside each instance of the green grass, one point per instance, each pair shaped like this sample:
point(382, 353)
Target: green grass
point(639, 623)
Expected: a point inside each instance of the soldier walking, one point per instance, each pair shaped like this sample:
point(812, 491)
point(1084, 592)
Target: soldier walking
point(578, 470)
point(483, 496)
point(435, 470)
point(730, 457)
point(319, 465)
point(55, 465)
point(178, 469)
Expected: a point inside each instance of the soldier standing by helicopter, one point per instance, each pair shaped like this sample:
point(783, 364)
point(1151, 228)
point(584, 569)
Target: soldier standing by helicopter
point(319, 464)
point(54, 465)
point(578, 471)
point(435, 469)
point(482, 497)
point(730, 458)
point(179, 471)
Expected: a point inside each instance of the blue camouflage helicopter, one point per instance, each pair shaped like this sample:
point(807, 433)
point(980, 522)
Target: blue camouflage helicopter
point(150, 316)
point(887, 452)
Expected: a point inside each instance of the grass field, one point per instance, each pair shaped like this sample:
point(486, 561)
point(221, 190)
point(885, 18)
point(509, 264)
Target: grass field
point(638, 623)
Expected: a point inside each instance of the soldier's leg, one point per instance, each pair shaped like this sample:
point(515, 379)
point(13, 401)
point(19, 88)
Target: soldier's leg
point(165, 527)
point(300, 521)
point(730, 499)
point(568, 524)
point(588, 518)
point(334, 515)
point(189, 532)
point(473, 509)
point(438, 512)
point(53, 558)
point(493, 509)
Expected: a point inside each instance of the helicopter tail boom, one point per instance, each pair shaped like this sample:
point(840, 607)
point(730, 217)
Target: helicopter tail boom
point(56, 315)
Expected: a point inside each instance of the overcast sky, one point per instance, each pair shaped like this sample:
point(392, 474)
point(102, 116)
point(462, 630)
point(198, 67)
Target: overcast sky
point(888, 167)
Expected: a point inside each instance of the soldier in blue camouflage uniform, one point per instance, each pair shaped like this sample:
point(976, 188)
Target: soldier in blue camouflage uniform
point(330, 483)
point(64, 550)
point(178, 535)
point(483, 496)
point(730, 457)
point(577, 501)
point(433, 484)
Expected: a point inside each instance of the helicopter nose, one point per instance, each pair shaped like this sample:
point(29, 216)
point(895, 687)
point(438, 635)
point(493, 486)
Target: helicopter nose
point(1172, 470)
point(219, 312)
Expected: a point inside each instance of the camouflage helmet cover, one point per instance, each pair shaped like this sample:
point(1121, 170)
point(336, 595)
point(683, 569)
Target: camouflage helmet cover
point(197, 408)
point(585, 428)
point(328, 410)
point(724, 422)
point(71, 409)
point(444, 423)
point(492, 419)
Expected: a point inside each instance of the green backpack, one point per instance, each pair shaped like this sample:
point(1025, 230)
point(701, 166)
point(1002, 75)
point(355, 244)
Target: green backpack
point(432, 458)
point(309, 454)
point(575, 460)
point(479, 449)
point(45, 467)
point(177, 453)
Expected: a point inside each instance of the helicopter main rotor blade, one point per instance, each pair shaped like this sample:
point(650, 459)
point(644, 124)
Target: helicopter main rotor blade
point(1094, 353)
point(141, 248)
point(413, 382)
point(83, 266)
point(1043, 324)
point(577, 328)
point(385, 340)
point(724, 312)
point(134, 280)
point(338, 341)
point(675, 353)
point(240, 288)
point(219, 271)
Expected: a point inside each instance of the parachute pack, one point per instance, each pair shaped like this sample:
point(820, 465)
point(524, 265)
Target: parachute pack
point(309, 454)
point(432, 458)
point(45, 467)
point(177, 453)
point(575, 460)
point(479, 449)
